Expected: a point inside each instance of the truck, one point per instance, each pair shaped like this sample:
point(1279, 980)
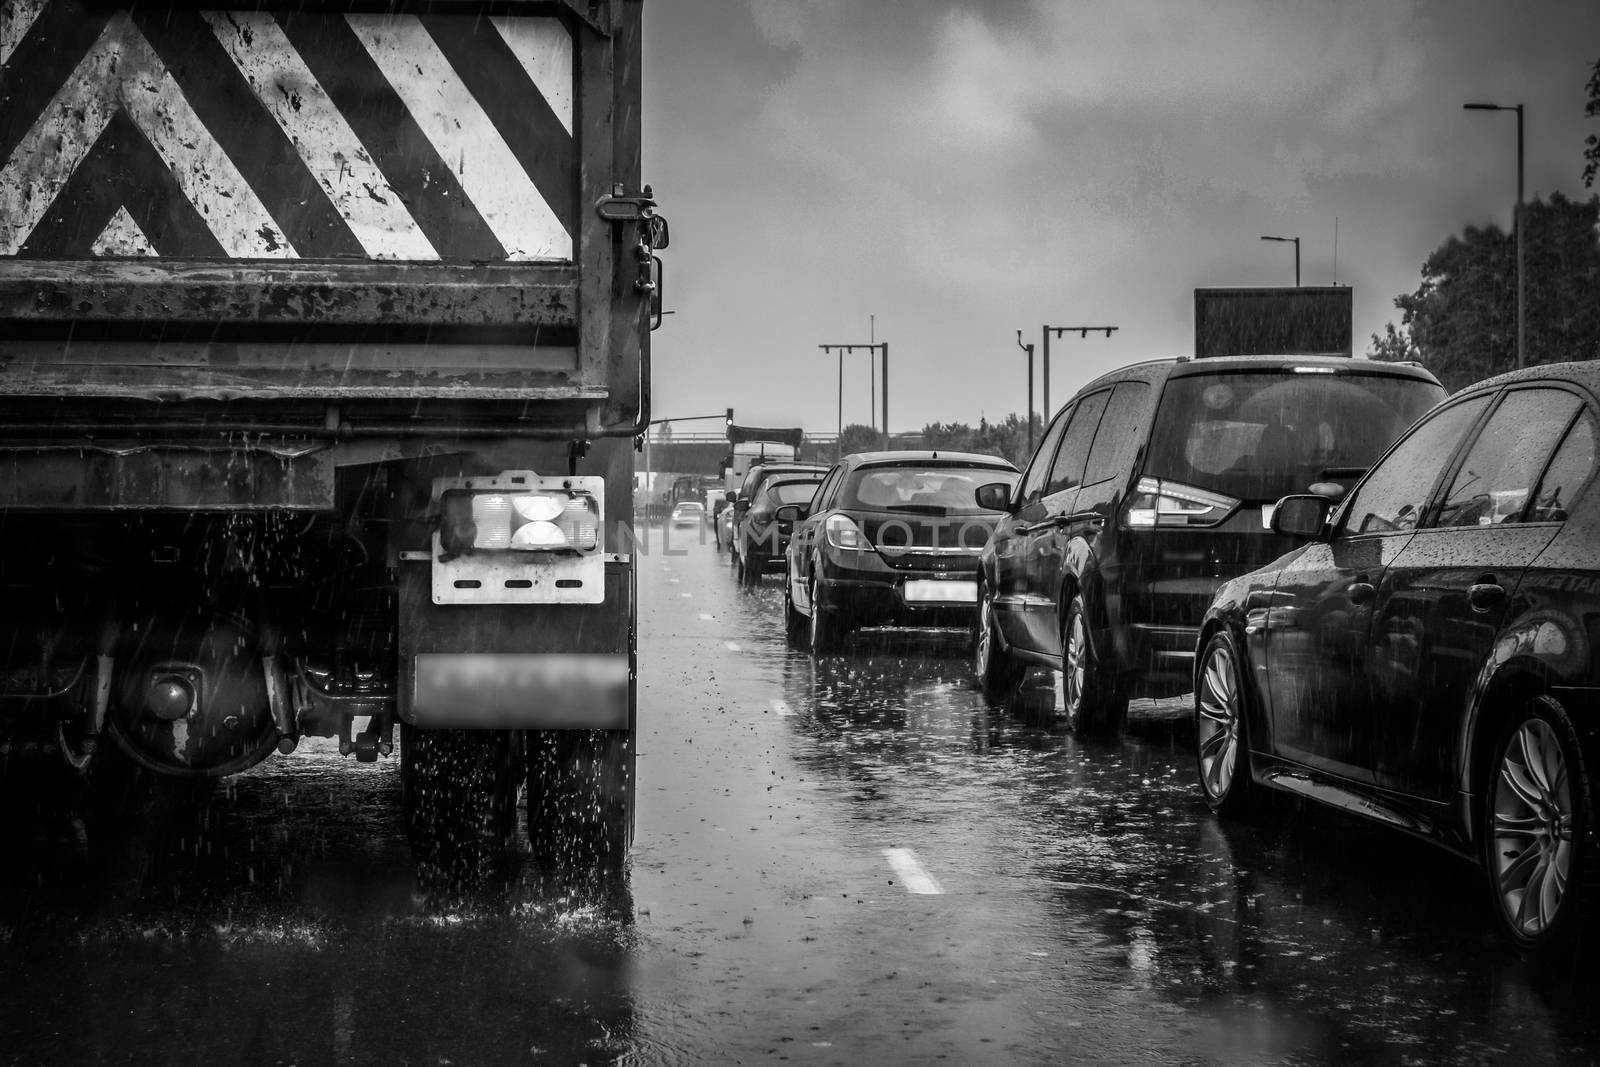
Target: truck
point(326, 348)
point(1311, 320)
point(750, 445)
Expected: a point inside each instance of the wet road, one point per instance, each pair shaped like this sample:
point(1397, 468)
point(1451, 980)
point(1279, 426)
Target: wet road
point(846, 861)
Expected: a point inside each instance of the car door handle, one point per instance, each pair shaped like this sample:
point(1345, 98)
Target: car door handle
point(1486, 596)
point(1361, 591)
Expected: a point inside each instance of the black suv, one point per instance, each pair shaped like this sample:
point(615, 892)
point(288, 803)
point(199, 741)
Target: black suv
point(753, 550)
point(1149, 489)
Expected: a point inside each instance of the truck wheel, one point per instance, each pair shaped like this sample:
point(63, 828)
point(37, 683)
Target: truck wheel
point(998, 676)
point(1095, 702)
point(458, 790)
point(580, 786)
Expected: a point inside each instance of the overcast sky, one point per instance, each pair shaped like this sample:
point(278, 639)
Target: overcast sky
point(967, 168)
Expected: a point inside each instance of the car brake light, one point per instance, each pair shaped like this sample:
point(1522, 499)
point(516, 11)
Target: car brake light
point(842, 533)
point(561, 521)
point(1161, 503)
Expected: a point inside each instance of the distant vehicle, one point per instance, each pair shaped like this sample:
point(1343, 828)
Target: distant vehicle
point(688, 513)
point(1425, 657)
point(751, 446)
point(1151, 487)
point(762, 537)
point(890, 539)
point(751, 557)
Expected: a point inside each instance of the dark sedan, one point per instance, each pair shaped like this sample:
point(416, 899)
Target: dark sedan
point(890, 539)
point(1426, 658)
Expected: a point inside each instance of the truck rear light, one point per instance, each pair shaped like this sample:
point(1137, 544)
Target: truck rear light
point(1161, 503)
point(560, 521)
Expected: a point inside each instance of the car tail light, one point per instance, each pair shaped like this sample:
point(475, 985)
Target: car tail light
point(1161, 503)
point(543, 521)
point(843, 533)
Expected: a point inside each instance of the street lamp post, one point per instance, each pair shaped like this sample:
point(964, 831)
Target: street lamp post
point(1516, 224)
point(1028, 349)
point(1081, 331)
point(882, 348)
point(1296, 242)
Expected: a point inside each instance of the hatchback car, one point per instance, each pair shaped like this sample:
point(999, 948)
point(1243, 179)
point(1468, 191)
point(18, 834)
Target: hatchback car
point(1151, 487)
point(890, 539)
point(1425, 657)
point(763, 537)
point(742, 540)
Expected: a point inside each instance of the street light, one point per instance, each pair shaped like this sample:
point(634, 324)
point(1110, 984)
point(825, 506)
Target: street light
point(881, 347)
point(1028, 349)
point(1296, 242)
point(1516, 223)
point(1081, 331)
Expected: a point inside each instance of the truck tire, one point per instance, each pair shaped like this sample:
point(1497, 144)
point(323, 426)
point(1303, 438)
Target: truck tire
point(458, 790)
point(580, 784)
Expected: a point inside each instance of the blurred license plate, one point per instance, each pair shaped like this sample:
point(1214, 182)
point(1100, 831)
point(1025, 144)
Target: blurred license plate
point(552, 691)
point(922, 592)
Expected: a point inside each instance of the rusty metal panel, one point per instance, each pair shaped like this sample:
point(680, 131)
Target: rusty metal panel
point(294, 476)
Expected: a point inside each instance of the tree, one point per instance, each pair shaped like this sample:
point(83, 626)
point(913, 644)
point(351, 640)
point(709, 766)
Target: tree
point(1591, 153)
point(1461, 322)
point(859, 438)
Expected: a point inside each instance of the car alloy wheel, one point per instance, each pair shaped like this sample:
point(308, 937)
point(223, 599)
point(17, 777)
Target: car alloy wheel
point(1095, 702)
point(1532, 816)
point(1224, 760)
point(825, 631)
point(998, 676)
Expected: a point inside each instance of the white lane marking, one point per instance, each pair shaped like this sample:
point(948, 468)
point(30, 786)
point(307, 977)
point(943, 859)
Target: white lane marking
point(544, 49)
point(461, 132)
point(732, 646)
point(327, 145)
point(904, 862)
point(687, 596)
point(674, 581)
point(706, 618)
point(122, 70)
point(782, 708)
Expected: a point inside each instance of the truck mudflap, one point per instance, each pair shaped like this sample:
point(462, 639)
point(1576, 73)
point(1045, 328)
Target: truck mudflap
point(468, 666)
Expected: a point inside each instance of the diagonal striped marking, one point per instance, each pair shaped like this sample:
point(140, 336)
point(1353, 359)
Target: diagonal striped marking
point(16, 16)
point(122, 71)
point(50, 51)
point(122, 171)
point(463, 136)
point(330, 149)
point(544, 48)
point(122, 237)
point(397, 145)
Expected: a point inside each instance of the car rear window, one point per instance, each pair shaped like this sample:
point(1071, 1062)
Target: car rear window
point(793, 492)
point(922, 490)
point(1261, 436)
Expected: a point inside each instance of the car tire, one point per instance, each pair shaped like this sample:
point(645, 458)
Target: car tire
point(794, 623)
point(995, 672)
point(750, 568)
point(1537, 832)
point(1221, 727)
point(826, 633)
point(1096, 702)
point(579, 783)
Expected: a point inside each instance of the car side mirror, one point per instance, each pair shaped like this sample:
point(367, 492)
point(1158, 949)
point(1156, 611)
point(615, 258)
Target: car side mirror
point(741, 506)
point(790, 513)
point(995, 496)
point(1303, 516)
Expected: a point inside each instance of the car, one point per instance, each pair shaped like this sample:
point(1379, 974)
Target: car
point(688, 513)
point(741, 539)
point(1150, 488)
point(762, 537)
point(1425, 657)
point(889, 539)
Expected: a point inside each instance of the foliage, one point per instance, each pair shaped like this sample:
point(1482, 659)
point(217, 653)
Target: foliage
point(1007, 438)
point(859, 438)
point(1461, 322)
point(1591, 152)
